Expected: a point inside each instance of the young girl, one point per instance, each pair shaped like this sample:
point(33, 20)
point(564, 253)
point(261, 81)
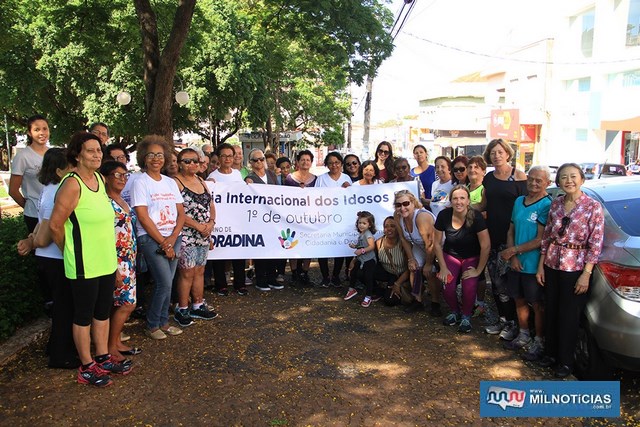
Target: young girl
point(363, 266)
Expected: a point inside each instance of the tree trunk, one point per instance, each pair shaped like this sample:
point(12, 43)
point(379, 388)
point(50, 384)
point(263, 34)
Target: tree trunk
point(160, 67)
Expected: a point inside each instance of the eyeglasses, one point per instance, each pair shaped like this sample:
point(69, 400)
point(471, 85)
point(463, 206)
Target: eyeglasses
point(257, 159)
point(565, 223)
point(152, 156)
point(385, 152)
point(119, 175)
point(100, 133)
point(190, 161)
point(354, 163)
point(122, 159)
point(225, 156)
point(401, 204)
point(459, 170)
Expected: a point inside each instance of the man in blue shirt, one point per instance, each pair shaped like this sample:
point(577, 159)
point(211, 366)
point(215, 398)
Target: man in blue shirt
point(528, 220)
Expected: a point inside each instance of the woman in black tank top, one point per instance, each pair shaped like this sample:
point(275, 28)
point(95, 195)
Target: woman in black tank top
point(501, 188)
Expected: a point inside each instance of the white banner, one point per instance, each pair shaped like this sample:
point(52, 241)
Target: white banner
point(256, 221)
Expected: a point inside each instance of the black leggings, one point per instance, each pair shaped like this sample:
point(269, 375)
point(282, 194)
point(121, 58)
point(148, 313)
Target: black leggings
point(92, 298)
point(365, 273)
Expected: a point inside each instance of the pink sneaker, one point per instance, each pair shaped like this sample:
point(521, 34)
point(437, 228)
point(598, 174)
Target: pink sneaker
point(366, 302)
point(350, 294)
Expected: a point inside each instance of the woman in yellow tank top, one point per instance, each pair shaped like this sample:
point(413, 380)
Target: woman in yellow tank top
point(82, 227)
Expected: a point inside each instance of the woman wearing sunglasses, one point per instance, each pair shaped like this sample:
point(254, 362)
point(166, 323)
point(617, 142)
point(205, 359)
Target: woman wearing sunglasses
point(199, 219)
point(260, 174)
point(571, 245)
point(460, 170)
point(384, 161)
point(351, 167)
point(402, 170)
point(416, 224)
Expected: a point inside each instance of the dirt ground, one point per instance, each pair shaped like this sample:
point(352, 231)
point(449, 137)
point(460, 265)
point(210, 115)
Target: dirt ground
point(297, 357)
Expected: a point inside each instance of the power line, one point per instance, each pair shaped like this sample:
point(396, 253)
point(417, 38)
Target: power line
point(529, 61)
point(413, 4)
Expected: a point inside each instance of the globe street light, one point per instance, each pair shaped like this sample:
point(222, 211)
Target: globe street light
point(123, 98)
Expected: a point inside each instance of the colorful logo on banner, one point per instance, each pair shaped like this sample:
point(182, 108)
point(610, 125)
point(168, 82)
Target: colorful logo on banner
point(549, 398)
point(286, 241)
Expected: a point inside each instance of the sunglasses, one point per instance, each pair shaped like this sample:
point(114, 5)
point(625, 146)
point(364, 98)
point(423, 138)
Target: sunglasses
point(190, 161)
point(565, 223)
point(257, 159)
point(401, 204)
point(385, 152)
point(354, 163)
point(460, 169)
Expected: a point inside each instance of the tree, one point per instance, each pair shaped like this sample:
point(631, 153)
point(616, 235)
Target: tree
point(160, 65)
point(264, 64)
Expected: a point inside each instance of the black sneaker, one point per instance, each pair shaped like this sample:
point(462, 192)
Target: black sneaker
point(325, 283)
point(94, 375)
point(263, 287)
point(276, 285)
point(183, 317)
point(336, 282)
point(114, 367)
point(203, 313)
point(223, 292)
point(242, 291)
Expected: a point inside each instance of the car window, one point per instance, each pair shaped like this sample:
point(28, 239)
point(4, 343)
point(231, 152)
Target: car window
point(625, 214)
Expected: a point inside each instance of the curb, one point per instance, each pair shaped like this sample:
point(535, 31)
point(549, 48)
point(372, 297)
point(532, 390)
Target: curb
point(23, 338)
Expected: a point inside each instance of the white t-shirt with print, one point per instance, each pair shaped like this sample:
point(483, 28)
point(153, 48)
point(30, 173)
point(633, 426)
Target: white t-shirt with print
point(160, 198)
point(440, 196)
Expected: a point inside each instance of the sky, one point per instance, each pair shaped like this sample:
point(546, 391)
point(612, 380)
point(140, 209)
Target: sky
point(433, 48)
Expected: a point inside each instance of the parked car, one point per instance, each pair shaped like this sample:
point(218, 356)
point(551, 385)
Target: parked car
point(603, 170)
point(609, 334)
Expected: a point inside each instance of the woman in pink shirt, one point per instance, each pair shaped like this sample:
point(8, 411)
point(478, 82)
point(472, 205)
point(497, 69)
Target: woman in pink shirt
point(571, 245)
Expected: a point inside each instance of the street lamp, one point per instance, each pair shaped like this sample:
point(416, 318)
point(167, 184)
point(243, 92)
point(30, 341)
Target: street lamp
point(123, 98)
point(182, 98)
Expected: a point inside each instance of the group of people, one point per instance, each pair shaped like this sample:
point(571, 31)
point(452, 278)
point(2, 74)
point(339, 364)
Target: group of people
point(96, 229)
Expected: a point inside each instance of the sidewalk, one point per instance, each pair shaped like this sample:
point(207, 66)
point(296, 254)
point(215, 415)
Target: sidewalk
point(291, 357)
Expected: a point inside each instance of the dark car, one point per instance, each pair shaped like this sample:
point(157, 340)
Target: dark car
point(609, 334)
point(603, 170)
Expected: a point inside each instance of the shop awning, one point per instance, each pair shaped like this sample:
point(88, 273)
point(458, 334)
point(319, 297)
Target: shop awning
point(459, 142)
point(631, 125)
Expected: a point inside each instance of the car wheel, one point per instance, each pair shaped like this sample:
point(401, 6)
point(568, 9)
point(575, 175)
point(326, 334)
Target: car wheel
point(589, 363)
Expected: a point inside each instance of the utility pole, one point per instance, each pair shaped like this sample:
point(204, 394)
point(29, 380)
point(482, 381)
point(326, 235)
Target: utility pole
point(367, 116)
